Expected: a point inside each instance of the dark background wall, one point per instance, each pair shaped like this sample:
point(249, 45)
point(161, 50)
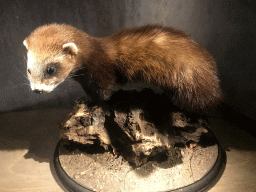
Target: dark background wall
point(227, 28)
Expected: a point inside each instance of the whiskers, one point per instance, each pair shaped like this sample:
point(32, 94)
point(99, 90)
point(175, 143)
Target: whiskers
point(22, 74)
point(21, 84)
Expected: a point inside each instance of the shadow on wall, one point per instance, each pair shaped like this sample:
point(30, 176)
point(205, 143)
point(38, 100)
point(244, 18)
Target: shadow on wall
point(235, 52)
point(35, 131)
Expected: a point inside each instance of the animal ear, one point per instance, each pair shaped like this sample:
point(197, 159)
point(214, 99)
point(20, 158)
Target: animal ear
point(70, 48)
point(25, 44)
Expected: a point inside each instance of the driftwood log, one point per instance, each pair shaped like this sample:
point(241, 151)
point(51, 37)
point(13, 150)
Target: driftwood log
point(140, 126)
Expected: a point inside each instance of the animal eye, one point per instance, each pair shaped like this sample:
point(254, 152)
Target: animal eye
point(29, 71)
point(50, 70)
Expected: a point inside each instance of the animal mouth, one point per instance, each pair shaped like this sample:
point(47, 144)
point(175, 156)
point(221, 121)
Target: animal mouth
point(39, 91)
point(42, 88)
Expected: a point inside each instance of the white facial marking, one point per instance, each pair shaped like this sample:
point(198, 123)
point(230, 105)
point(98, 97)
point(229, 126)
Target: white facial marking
point(30, 60)
point(32, 85)
point(44, 88)
point(35, 84)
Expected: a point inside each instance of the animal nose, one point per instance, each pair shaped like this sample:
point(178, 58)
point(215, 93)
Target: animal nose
point(37, 91)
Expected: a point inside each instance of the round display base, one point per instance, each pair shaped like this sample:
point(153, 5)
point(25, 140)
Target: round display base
point(79, 171)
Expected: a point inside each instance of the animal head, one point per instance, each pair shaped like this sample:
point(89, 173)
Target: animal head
point(51, 56)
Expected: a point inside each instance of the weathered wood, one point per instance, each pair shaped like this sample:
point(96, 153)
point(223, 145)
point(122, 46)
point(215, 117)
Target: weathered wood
point(131, 130)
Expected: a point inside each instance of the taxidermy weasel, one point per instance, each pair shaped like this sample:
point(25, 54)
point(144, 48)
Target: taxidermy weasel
point(151, 55)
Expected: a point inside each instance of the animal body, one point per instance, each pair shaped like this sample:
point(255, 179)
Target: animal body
point(152, 55)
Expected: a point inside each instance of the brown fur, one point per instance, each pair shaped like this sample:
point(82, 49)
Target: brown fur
point(155, 55)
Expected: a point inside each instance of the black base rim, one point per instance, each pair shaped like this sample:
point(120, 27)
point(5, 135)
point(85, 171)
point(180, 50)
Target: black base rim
point(204, 184)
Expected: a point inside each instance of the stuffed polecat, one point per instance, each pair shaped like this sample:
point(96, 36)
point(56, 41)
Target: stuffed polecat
point(148, 56)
